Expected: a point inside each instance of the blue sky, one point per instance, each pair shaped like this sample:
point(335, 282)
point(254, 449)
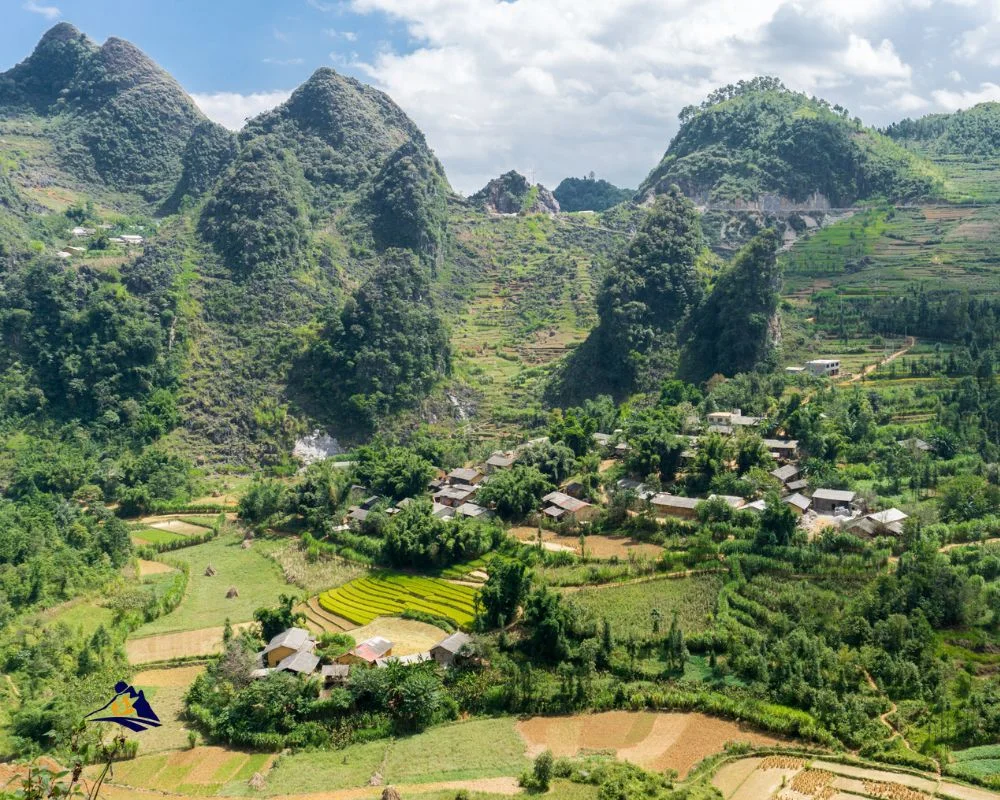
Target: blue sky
point(549, 87)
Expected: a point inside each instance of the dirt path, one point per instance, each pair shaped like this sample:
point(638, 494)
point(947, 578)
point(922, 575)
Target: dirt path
point(884, 719)
point(657, 576)
point(865, 372)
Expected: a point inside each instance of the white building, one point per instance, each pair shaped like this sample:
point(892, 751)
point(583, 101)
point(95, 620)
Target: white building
point(824, 367)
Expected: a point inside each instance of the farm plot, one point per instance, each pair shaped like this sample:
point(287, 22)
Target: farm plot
point(181, 644)
point(386, 594)
point(629, 608)
point(976, 763)
point(197, 771)
point(154, 536)
point(653, 740)
point(165, 690)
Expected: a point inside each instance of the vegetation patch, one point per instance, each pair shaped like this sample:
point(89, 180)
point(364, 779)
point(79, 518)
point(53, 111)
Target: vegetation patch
point(391, 593)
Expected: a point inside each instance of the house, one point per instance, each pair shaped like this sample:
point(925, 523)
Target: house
point(787, 473)
point(116, 240)
point(63, 254)
point(783, 449)
point(301, 662)
point(455, 495)
point(722, 430)
point(621, 449)
point(79, 232)
point(731, 500)
point(561, 507)
point(367, 652)
point(369, 502)
point(797, 486)
point(500, 461)
point(734, 418)
point(757, 506)
point(442, 511)
point(881, 523)
point(829, 501)
point(670, 505)
point(407, 660)
point(916, 445)
point(445, 651)
point(357, 515)
point(286, 643)
point(335, 674)
point(77, 251)
point(472, 510)
point(797, 501)
point(823, 367)
point(602, 441)
point(469, 476)
point(131, 239)
point(575, 489)
point(795, 370)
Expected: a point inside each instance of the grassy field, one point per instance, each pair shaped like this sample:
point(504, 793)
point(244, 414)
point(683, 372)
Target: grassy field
point(464, 750)
point(154, 536)
point(629, 608)
point(200, 771)
point(257, 578)
point(385, 594)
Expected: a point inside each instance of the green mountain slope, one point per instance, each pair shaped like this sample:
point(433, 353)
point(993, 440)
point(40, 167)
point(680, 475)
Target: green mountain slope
point(114, 117)
point(757, 144)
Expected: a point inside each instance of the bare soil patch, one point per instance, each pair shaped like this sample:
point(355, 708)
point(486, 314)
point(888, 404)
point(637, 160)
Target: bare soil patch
point(166, 646)
point(179, 526)
point(152, 568)
point(407, 636)
point(731, 776)
point(168, 676)
point(652, 740)
point(598, 546)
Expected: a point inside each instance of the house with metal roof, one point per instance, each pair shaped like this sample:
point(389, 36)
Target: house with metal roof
point(828, 501)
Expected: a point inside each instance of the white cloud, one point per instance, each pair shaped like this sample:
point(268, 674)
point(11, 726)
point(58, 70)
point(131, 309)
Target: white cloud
point(283, 62)
point(955, 76)
point(333, 33)
point(952, 101)
point(232, 109)
point(909, 102)
point(49, 12)
point(882, 62)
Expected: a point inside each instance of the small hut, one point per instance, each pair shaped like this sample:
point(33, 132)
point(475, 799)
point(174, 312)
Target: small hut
point(232, 593)
point(209, 571)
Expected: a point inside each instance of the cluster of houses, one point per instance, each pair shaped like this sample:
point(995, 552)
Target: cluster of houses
point(79, 232)
point(294, 650)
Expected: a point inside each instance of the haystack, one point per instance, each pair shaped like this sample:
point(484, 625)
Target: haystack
point(391, 793)
point(233, 592)
point(245, 544)
point(209, 571)
point(376, 779)
point(256, 782)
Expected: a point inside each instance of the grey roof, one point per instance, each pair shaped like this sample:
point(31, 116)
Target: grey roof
point(465, 474)
point(471, 510)
point(335, 670)
point(732, 500)
point(725, 430)
point(625, 484)
point(301, 661)
point(834, 495)
point(756, 505)
point(441, 511)
point(602, 439)
point(554, 511)
point(502, 460)
point(889, 516)
point(295, 638)
point(786, 473)
point(797, 486)
point(564, 501)
point(453, 643)
point(781, 444)
point(674, 501)
point(800, 501)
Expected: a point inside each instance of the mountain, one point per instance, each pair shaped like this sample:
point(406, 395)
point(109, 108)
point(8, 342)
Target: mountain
point(511, 193)
point(973, 131)
point(117, 119)
point(589, 194)
point(758, 145)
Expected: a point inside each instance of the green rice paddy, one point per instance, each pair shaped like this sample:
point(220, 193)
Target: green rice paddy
point(385, 594)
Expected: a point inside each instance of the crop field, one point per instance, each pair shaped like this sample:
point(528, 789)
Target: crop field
point(653, 740)
point(180, 644)
point(473, 750)
point(256, 577)
point(198, 771)
point(976, 763)
point(784, 778)
point(154, 536)
point(165, 690)
point(386, 594)
point(629, 608)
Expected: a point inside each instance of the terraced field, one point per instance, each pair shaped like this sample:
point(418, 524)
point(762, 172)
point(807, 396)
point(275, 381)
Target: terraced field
point(386, 594)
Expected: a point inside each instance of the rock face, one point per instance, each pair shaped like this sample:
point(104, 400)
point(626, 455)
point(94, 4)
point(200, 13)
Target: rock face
point(512, 194)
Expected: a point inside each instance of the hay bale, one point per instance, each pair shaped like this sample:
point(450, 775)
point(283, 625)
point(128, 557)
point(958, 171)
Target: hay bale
point(256, 782)
point(233, 592)
point(391, 793)
point(209, 571)
point(376, 779)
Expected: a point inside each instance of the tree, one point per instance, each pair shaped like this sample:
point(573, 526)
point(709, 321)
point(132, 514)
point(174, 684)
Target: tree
point(279, 618)
point(394, 472)
point(555, 461)
point(263, 500)
point(503, 592)
point(515, 492)
point(968, 497)
point(777, 523)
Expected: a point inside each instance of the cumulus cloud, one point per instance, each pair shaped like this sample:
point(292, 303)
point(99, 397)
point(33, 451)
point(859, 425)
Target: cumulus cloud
point(232, 109)
point(49, 12)
point(952, 101)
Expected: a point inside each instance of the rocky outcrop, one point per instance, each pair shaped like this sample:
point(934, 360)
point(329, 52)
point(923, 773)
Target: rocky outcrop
point(512, 194)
